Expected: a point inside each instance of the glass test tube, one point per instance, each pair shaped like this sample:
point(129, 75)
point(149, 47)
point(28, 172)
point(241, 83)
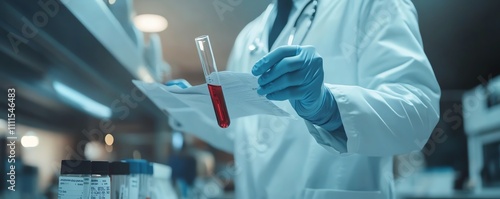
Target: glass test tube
point(214, 87)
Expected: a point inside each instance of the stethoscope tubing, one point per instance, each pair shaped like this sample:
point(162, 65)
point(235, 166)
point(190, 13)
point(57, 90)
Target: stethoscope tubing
point(254, 47)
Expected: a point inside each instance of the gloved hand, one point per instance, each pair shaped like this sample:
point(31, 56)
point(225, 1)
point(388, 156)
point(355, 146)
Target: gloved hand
point(295, 73)
point(182, 83)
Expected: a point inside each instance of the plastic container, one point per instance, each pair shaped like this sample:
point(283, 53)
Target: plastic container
point(139, 176)
point(75, 178)
point(100, 183)
point(120, 174)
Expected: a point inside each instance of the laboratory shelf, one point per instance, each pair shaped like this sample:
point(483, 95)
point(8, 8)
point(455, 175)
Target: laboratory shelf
point(80, 44)
point(101, 23)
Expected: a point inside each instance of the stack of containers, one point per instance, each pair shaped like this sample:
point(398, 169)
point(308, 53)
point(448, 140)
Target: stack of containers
point(129, 179)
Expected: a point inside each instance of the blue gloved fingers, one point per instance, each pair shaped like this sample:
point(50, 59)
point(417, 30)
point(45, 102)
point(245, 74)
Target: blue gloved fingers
point(285, 81)
point(285, 66)
point(182, 83)
point(271, 59)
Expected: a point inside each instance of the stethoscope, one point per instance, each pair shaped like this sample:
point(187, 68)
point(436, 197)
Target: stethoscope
point(257, 43)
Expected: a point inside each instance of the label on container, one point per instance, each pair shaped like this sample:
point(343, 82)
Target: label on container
point(74, 187)
point(100, 188)
point(133, 187)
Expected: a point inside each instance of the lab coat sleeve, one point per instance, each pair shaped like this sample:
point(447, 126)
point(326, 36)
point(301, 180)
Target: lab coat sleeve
point(394, 107)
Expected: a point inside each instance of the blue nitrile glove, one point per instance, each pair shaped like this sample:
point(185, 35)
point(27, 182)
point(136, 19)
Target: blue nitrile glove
point(295, 73)
point(182, 83)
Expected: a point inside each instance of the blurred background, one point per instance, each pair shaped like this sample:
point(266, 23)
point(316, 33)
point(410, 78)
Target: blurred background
point(71, 64)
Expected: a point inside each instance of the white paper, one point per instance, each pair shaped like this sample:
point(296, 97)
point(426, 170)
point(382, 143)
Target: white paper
point(239, 92)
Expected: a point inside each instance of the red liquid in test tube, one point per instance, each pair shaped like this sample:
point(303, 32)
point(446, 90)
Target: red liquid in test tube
point(219, 105)
point(211, 76)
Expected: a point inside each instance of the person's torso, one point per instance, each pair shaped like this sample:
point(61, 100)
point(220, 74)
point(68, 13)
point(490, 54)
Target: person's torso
point(277, 157)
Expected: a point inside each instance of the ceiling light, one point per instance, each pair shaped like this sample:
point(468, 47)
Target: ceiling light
point(29, 140)
point(150, 23)
point(109, 139)
point(177, 140)
point(92, 107)
point(3, 125)
point(93, 150)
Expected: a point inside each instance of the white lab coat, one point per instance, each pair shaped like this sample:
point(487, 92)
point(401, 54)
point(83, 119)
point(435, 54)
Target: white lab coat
point(386, 92)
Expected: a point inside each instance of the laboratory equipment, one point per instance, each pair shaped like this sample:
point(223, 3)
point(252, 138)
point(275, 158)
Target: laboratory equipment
point(140, 172)
point(123, 12)
point(100, 183)
point(214, 86)
point(160, 182)
point(481, 114)
point(119, 172)
point(153, 57)
point(149, 180)
point(133, 185)
point(74, 181)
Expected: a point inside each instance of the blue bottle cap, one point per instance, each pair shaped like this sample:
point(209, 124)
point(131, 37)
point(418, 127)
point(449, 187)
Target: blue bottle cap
point(138, 166)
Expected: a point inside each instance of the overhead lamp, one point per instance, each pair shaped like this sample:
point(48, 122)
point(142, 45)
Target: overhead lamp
point(150, 23)
point(109, 139)
point(3, 125)
point(89, 105)
point(93, 150)
point(30, 140)
point(177, 140)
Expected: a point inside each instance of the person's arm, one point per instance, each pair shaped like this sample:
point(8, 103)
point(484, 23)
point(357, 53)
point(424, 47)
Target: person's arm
point(395, 106)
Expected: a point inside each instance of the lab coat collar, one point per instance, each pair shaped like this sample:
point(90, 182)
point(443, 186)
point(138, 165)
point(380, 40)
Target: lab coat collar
point(297, 4)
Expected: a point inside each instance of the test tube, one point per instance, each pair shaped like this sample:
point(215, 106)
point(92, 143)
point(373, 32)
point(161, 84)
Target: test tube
point(211, 76)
